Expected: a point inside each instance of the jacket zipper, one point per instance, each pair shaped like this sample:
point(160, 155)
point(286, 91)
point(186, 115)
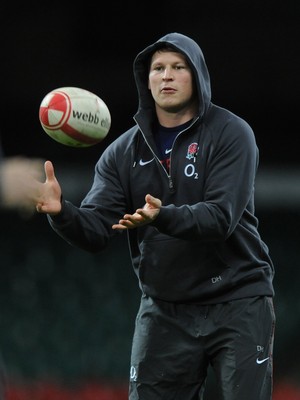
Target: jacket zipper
point(171, 185)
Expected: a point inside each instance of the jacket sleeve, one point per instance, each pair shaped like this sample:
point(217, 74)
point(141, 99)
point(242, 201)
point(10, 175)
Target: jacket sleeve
point(228, 189)
point(89, 226)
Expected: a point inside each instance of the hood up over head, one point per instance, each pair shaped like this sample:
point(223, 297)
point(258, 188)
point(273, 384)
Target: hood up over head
point(195, 58)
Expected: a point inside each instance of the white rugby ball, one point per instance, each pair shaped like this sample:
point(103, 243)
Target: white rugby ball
point(74, 117)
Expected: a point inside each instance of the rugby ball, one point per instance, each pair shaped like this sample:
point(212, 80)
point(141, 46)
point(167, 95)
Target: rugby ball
point(74, 117)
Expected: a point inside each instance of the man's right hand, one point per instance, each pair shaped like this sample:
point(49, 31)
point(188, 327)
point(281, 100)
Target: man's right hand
point(49, 193)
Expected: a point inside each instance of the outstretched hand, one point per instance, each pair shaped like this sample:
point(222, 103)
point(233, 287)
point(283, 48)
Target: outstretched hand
point(142, 216)
point(49, 196)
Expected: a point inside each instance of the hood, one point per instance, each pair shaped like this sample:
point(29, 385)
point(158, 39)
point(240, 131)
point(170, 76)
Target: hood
point(195, 57)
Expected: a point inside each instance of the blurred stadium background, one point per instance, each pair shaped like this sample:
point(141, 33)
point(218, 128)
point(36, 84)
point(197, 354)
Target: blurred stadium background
point(66, 316)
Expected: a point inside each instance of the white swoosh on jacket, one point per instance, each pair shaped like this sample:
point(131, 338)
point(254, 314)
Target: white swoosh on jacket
point(142, 163)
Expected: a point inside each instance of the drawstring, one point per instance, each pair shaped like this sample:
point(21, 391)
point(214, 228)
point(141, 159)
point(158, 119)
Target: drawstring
point(206, 312)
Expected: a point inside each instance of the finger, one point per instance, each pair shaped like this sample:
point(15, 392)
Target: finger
point(143, 214)
point(119, 227)
point(131, 217)
point(123, 224)
point(128, 222)
point(152, 201)
point(49, 171)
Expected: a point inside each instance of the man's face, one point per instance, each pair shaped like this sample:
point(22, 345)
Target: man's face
point(170, 81)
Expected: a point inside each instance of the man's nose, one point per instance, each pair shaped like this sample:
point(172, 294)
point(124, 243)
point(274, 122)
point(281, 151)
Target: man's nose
point(168, 74)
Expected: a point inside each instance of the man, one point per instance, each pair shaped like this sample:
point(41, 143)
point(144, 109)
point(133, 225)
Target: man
point(181, 183)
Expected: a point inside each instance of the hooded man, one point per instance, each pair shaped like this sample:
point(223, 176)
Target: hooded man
point(181, 182)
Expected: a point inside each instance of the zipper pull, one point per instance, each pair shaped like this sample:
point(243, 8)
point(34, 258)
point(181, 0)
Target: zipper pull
point(171, 187)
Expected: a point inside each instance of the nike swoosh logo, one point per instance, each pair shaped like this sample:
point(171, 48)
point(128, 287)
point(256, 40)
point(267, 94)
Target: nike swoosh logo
point(167, 151)
point(258, 361)
point(142, 163)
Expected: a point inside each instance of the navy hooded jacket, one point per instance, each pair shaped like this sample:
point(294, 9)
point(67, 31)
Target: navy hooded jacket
point(204, 246)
